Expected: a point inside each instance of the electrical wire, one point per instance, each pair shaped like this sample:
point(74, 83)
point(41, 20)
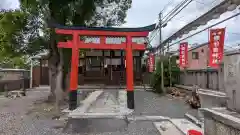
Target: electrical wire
point(155, 31)
point(198, 2)
point(180, 18)
point(174, 12)
point(210, 3)
point(229, 46)
point(167, 5)
point(175, 9)
point(184, 6)
point(234, 33)
point(235, 15)
point(155, 34)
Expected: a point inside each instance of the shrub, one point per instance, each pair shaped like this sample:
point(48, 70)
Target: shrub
point(155, 82)
point(156, 76)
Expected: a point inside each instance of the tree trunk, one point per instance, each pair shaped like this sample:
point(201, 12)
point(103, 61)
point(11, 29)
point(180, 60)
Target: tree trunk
point(58, 89)
point(67, 85)
point(52, 79)
point(53, 66)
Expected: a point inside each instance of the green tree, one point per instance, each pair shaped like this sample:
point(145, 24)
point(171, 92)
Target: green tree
point(39, 15)
point(156, 76)
point(18, 38)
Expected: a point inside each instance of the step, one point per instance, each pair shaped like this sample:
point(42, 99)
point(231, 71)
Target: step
point(184, 125)
point(167, 128)
point(86, 104)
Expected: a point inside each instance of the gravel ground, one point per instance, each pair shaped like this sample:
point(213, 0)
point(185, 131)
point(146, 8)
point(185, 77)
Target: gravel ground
point(15, 118)
point(149, 103)
point(22, 117)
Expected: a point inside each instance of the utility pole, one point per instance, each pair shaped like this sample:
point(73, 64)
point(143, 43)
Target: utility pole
point(169, 65)
point(161, 52)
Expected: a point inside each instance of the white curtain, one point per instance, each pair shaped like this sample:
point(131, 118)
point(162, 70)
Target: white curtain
point(112, 61)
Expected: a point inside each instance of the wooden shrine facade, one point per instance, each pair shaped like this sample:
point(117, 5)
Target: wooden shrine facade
point(108, 67)
point(103, 38)
point(97, 67)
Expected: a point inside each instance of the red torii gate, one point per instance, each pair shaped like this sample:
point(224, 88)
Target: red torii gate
point(102, 34)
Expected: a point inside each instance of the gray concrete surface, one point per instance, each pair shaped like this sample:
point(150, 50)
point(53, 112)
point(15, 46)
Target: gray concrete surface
point(110, 127)
point(148, 103)
point(15, 120)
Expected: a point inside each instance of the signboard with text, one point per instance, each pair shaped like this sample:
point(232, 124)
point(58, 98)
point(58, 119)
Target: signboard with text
point(183, 54)
point(216, 47)
point(151, 62)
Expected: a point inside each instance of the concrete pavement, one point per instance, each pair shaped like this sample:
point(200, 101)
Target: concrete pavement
point(105, 117)
point(151, 109)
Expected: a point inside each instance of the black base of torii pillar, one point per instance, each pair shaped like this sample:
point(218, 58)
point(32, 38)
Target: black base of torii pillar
point(72, 100)
point(130, 100)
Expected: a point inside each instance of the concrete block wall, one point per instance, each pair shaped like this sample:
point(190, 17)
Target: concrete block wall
point(206, 79)
point(13, 74)
point(221, 122)
point(14, 79)
point(214, 127)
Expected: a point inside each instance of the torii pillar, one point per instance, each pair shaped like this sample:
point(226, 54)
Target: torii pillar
point(103, 33)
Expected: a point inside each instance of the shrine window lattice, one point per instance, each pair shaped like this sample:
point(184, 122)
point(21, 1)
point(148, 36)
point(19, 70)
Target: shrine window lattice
point(111, 40)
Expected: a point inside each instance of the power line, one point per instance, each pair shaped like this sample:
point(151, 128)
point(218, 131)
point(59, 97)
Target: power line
point(235, 15)
point(174, 12)
point(171, 14)
point(210, 3)
point(229, 46)
point(155, 34)
point(190, 15)
point(167, 5)
point(184, 6)
point(175, 9)
point(234, 33)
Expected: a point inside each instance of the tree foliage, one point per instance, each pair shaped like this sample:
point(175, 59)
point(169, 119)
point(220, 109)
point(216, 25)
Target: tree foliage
point(156, 76)
point(33, 32)
point(28, 32)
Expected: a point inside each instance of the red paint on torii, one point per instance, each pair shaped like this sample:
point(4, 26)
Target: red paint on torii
point(77, 44)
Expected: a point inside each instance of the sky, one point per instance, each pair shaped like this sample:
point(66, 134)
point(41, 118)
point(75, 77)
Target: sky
point(145, 12)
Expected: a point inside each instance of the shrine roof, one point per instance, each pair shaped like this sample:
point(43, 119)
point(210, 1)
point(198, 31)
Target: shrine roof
point(117, 29)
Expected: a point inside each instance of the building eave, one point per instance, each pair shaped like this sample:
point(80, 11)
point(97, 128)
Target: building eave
point(204, 19)
point(117, 29)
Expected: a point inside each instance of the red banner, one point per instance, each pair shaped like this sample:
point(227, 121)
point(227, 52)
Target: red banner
point(183, 54)
point(151, 62)
point(216, 47)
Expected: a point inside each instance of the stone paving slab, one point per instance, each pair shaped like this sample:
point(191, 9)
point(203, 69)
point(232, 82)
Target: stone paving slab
point(110, 127)
point(184, 125)
point(109, 104)
point(111, 87)
point(167, 128)
point(110, 101)
point(149, 108)
point(86, 104)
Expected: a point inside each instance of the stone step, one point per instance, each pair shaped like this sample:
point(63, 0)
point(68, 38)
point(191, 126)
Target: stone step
point(110, 87)
point(184, 125)
point(193, 120)
point(167, 128)
point(86, 104)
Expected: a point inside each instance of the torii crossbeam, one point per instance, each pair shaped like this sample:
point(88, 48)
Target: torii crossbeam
point(103, 38)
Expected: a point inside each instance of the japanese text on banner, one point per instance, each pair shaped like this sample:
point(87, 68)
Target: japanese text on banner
point(151, 62)
point(183, 54)
point(216, 47)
